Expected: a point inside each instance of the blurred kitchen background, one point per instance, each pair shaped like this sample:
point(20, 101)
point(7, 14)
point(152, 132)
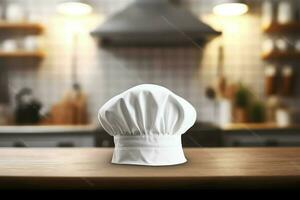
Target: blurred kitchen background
point(237, 62)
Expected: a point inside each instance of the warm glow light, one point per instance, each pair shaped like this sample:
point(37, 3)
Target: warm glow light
point(74, 8)
point(230, 9)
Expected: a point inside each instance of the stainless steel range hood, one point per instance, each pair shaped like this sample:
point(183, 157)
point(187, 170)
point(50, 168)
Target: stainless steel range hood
point(153, 23)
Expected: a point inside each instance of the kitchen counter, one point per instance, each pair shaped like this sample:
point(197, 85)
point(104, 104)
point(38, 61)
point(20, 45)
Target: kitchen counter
point(90, 168)
point(89, 136)
point(48, 136)
point(200, 135)
point(260, 134)
point(198, 126)
point(258, 126)
point(47, 129)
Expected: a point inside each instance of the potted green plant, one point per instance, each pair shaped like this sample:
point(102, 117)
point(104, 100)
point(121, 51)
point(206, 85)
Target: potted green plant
point(257, 112)
point(242, 99)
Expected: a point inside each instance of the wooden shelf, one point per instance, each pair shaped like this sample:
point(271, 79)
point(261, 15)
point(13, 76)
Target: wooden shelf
point(22, 54)
point(258, 126)
point(46, 129)
point(283, 28)
point(280, 55)
point(21, 28)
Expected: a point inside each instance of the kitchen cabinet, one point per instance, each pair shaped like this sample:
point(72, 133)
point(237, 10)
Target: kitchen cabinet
point(47, 140)
point(46, 136)
point(206, 168)
point(200, 135)
point(263, 135)
point(103, 139)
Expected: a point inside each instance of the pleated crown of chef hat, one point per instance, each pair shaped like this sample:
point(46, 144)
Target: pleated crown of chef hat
point(147, 122)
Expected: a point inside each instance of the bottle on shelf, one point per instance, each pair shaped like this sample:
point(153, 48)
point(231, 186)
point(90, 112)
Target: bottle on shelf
point(287, 76)
point(286, 12)
point(270, 80)
point(268, 13)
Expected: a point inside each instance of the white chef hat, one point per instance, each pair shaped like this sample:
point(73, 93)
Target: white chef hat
point(147, 122)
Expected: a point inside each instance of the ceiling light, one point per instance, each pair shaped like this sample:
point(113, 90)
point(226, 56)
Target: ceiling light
point(230, 8)
point(74, 8)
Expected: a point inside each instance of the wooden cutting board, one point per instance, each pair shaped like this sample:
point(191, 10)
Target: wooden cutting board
point(71, 110)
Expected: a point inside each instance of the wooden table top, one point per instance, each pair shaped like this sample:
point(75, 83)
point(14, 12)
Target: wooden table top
point(90, 168)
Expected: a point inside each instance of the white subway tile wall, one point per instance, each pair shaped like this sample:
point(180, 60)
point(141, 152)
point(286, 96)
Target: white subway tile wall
point(104, 73)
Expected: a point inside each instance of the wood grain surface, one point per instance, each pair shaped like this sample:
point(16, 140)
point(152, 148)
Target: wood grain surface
point(90, 168)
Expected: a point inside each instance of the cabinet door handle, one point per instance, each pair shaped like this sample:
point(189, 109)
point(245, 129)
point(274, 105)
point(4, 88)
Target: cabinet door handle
point(19, 144)
point(65, 144)
point(271, 143)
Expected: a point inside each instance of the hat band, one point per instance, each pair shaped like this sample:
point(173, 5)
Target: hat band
point(155, 150)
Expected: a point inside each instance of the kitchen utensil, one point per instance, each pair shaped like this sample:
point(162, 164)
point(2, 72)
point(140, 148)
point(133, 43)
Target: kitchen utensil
point(79, 106)
point(221, 79)
point(27, 108)
point(4, 86)
point(230, 91)
point(282, 44)
point(268, 45)
point(72, 109)
point(30, 43)
point(283, 118)
point(297, 45)
point(3, 115)
point(1, 12)
point(9, 45)
point(62, 112)
point(272, 105)
point(211, 94)
point(225, 112)
point(81, 109)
